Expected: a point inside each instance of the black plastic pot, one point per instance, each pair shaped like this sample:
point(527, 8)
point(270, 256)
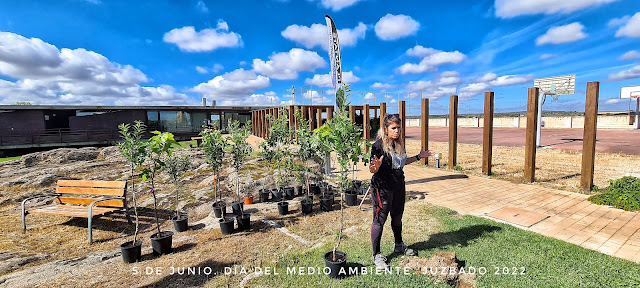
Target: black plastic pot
point(244, 222)
point(237, 206)
point(315, 189)
point(226, 226)
point(161, 243)
point(326, 204)
point(299, 190)
point(264, 195)
point(181, 224)
point(283, 208)
point(276, 195)
point(336, 266)
point(131, 252)
point(351, 199)
point(307, 207)
point(289, 193)
point(220, 209)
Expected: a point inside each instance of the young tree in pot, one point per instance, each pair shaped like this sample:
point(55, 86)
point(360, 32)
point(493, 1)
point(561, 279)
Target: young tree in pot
point(323, 141)
point(307, 150)
point(239, 149)
point(159, 147)
point(134, 150)
point(343, 137)
point(214, 146)
point(175, 166)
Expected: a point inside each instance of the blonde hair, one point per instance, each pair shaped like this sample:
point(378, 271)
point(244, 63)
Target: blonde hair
point(388, 143)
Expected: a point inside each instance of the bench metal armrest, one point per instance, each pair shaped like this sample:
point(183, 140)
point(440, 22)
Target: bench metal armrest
point(101, 200)
point(90, 216)
point(24, 212)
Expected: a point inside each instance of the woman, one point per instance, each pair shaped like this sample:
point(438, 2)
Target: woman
point(388, 158)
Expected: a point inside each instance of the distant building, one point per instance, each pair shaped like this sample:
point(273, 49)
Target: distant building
point(29, 126)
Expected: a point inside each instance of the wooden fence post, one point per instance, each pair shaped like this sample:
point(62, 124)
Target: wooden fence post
point(424, 139)
point(589, 138)
point(365, 126)
point(329, 113)
point(319, 117)
point(352, 113)
point(487, 138)
point(383, 112)
point(453, 131)
point(310, 115)
point(530, 146)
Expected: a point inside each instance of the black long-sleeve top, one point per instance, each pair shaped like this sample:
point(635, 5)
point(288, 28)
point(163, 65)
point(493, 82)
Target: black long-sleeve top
point(386, 179)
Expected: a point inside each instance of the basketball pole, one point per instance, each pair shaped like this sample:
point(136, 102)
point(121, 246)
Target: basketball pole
point(539, 130)
point(637, 109)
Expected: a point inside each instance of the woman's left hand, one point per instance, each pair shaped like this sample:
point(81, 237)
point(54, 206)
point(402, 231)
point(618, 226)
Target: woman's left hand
point(425, 154)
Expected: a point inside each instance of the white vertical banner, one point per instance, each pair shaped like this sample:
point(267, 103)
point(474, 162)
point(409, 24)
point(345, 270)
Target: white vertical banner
point(334, 53)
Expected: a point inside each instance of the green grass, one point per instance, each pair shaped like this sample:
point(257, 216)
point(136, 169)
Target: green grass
point(10, 159)
point(479, 242)
point(182, 144)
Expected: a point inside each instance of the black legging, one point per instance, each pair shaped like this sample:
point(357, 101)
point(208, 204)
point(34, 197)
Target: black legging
point(391, 201)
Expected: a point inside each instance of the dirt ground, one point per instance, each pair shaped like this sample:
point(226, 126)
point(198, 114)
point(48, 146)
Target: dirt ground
point(559, 169)
point(607, 140)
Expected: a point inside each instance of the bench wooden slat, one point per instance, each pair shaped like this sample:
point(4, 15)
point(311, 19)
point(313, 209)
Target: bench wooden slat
point(100, 184)
point(88, 201)
point(71, 211)
point(92, 191)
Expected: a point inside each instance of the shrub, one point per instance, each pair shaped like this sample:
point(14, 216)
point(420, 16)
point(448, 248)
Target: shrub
point(623, 193)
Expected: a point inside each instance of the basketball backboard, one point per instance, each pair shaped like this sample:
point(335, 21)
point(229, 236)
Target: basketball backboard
point(629, 92)
point(556, 85)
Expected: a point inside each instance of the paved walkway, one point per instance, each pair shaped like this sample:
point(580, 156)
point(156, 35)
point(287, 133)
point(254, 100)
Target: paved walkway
point(573, 218)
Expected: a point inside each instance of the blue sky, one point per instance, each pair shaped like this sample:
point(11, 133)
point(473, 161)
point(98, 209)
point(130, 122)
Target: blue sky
point(252, 52)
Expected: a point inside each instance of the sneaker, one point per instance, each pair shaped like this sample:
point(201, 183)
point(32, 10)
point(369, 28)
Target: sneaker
point(403, 249)
point(380, 262)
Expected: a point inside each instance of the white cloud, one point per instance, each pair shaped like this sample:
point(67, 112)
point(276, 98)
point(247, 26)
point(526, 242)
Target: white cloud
point(286, 65)
point(316, 35)
point(269, 98)
point(46, 75)
point(615, 22)
point(419, 85)
point(316, 98)
point(393, 27)
point(487, 77)
point(324, 80)
point(202, 7)
point(562, 34)
point(449, 78)
point(613, 101)
point(547, 56)
point(379, 85)
point(473, 89)
point(217, 68)
point(419, 51)
point(439, 92)
point(202, 70)
point(632, 73)
point(232, 86)
point(511, 8)
point(633, 54)
point(369, 96)
point(508, 80)
point(631, 28)
point(429, 63)
point(189, 40)
point(337, 5)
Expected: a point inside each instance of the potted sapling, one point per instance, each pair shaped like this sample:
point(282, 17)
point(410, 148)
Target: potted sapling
point(280, 140)
point(267, 153)
point(307, 150)
point(323, 141)
point(175, 166)
point(133, 149)
point(159, 147)
point(239, 150)
point(214, 145)
point(343, 137)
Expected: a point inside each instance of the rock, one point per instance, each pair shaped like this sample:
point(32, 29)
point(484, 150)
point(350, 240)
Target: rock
point(45, 180)
point(110, 153)
point(62, 155)
point(435, 265)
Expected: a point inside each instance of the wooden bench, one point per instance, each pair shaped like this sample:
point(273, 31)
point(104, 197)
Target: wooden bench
point(86, 199)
